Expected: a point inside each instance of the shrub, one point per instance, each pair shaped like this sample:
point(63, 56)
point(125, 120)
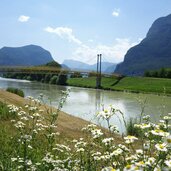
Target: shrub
point(47, 78)
point(53, 80)
point(62, 79)
point(131, 129)
point(15, 91)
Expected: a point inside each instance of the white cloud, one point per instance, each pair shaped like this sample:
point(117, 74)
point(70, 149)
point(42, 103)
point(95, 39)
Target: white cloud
point(114, 53)
point(23, 18)
point(116, 13)
point(65, 33)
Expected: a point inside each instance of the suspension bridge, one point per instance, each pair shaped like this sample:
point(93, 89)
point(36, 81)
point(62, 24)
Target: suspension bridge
point(54, 70)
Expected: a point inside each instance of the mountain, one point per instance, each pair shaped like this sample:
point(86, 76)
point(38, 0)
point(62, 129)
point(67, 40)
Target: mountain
point(110, 69)
point(152, 53)
point(30, 55)
point(65, 67)
point(77, 65)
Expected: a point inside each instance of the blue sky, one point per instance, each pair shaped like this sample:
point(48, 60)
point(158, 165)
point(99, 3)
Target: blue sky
point(79, 29)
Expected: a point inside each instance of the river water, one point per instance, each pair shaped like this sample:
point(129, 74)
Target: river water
point(85, 103)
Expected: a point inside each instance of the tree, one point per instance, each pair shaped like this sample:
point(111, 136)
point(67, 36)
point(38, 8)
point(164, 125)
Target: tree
point(62, 79)
point(162, 73)
point(53, 80)
point(147, 74)
point(47, 78)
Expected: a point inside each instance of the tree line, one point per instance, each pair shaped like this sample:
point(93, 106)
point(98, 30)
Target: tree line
point(161, 73)
point(60, 79)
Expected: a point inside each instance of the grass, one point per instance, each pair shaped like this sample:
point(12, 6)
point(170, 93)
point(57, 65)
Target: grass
point(131, 84)
point(69, 126)
point(90, 82)
point(4, 112)
point(31, 142)
point(144, 85)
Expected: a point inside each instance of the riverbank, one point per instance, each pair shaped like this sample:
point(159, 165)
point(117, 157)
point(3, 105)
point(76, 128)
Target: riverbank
point(68, 126)
point(32, 140)
point(160, 86)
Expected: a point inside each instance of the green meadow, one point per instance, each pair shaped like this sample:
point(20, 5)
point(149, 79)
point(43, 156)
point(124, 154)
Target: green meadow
point(131, 84)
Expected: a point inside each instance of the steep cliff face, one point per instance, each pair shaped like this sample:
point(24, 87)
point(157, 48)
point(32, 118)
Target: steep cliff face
point(30, 55)
point(151, 53)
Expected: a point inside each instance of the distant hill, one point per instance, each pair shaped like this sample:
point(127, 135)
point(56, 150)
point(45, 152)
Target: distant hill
point(77, 65)
point(30, 55)
point(65, 67)
point(151, 53)
point(110, 69)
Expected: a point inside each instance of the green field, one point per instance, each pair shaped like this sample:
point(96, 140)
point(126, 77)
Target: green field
point(144, 84)
point(132, 84)
point(91, 82)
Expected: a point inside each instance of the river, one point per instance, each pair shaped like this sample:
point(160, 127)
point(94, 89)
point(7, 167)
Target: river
point(85, 103)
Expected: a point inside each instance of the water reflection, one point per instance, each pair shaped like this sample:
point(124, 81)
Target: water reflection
point(85, 103)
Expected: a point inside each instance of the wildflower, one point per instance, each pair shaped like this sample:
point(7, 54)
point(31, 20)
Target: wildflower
point(139, 151)
point(33, 108)
point(96, 156)
point(80, 150)
point(150, 161)
point(29, 97)
point(36, 114)
point(107, 141)
point(26, 106)
point(117, 152)
point(161, 147)
point(12, 108)
point(38, 164)
point(108, 169)
point(96, 133)
point(168, 163)
point(140, 164)
point(20, 113)
point(168, 140)
point(142, 126)
point(105, 157)
point(27, 137)
point(131, 158)
point(123, 147)
point(131, 167)
point(160, 132)
point(146, 146)
point(29, 162)
point(19, 124)
point(114, 129)
point(130, 139)
point(105, 114)
point(147, 117)
point(62, 148)
point(166, 118)
point(36, 101)
point(29, 146)
point(13, 159)
point(24, 118)
point(53, 126)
